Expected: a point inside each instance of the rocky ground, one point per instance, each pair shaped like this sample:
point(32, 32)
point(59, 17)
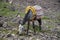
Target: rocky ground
point(39, 36)
point(9, 30)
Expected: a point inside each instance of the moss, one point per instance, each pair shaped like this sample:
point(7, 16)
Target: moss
point(45, 17)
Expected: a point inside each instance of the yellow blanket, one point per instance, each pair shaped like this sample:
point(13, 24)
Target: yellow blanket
point(31, 8)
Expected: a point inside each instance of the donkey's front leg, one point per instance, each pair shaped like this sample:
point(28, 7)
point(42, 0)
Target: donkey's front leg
point(28, 27)
point(34, 28)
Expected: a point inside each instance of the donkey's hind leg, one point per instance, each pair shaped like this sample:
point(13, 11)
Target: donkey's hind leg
point(39, 20)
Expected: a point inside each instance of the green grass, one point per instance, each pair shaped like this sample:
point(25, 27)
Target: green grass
point(6, 11)
point(22, 14)
point(14, 32)
point(4, 31)
point(45, 18)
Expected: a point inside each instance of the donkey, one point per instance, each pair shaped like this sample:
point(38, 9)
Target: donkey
point(28, 18)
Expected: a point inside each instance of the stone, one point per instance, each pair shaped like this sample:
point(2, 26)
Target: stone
point(13, 34)
point(14, 29)
point(2, 35)
point(1, 24)
point(16, 19)
point(10, 38)
point(8, 35)
point(5, 24)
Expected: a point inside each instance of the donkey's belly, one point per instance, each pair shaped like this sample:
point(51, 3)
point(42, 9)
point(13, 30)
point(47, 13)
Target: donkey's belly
point(38, 17)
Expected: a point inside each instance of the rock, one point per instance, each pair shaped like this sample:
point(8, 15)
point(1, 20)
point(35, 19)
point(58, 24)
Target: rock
point(30, 31)
point(2, 35)
point(37, 39)
point(48, 38)
point(16, 37)
point(14, 29)
point(1, 24)
point(8, 35)
point(41, 34)
point(43, 38)
point(5, 24)
point(0, 18)
point(36, 23)
point(13, 34)
point(10, 38)
point(9, 28)
point(16, 19)
point(22, 39)
point(3, 21)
